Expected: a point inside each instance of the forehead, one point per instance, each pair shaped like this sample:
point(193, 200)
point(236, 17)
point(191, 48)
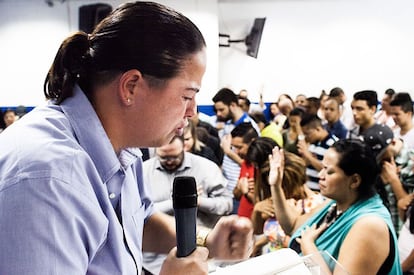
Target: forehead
point(396, 109)
point(219, 105)
point(331, 158)
point(173, 148)
point(237, 140)
point(331, 103)
point(359, 103)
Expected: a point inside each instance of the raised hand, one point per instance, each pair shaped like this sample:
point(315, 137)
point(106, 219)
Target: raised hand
point(277, 165)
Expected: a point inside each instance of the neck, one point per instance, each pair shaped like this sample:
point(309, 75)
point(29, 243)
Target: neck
point(405, 128)
point(343, 206)
point(237, 114)
point(367, 125)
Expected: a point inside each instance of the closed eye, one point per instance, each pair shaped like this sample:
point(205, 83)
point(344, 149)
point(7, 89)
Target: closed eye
point(187, 98)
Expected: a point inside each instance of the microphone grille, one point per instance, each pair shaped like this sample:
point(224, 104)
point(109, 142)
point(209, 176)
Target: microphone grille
point(184, 192)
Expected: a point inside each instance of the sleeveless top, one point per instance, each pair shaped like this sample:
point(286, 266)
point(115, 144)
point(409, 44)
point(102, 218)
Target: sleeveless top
point(331, 239)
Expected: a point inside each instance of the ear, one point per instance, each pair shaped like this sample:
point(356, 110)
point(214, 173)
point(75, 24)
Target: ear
point(233, 105)
point(128, 85)
point(355, 181)
point(373, 109)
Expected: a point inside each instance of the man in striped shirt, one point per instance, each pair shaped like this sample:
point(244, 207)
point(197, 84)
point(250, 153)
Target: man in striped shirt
point(313, 147)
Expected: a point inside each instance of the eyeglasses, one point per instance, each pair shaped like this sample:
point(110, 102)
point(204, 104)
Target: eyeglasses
point(169, 158)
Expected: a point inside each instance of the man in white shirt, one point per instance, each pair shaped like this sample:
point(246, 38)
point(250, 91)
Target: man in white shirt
point(402, 113)
point(171, 161)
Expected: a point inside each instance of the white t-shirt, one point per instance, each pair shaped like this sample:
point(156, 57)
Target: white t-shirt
point(405, 242)
point(408, 138)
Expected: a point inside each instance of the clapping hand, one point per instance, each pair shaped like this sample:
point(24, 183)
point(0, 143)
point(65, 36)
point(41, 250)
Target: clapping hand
point(277, 165)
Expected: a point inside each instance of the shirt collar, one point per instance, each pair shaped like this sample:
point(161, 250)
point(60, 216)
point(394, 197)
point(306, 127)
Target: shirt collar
point(92, 136)
point(243, 118)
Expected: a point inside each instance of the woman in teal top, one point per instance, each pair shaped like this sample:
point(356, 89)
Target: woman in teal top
point(353, 225)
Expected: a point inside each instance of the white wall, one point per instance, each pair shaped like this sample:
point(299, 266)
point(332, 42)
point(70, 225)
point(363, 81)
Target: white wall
point(31, 32)
point(307, 45)
point(310, 45)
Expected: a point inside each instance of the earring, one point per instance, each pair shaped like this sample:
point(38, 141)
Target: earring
point(128, 100)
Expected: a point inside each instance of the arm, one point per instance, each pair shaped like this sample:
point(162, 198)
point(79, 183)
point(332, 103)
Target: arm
point(226, 146)
point(244, 187)
point(363, 237)
point(159, 229)
point(261, 212)
point(389, 175)
point(408, 263)
point(159, 236)
point(303, 149)
point(213, 196)
point(230, 239)
point(286, 214)
point(403, 205)
point(218, 201)
point(48, 227)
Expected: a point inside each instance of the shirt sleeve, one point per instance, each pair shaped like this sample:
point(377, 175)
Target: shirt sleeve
point(48, 227)
point(216, 199)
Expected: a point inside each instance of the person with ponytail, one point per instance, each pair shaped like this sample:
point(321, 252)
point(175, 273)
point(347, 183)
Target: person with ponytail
point(72, 196)
point(353, 218)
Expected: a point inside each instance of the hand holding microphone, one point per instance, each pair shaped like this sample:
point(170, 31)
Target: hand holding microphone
point(230, 239)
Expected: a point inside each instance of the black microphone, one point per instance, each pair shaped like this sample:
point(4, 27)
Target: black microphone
point(185, 210)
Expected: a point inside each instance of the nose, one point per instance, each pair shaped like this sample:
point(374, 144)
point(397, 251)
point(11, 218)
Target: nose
point(191, 108)
point(320, 174)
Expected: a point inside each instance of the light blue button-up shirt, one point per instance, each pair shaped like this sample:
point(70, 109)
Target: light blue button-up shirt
point(68, 203)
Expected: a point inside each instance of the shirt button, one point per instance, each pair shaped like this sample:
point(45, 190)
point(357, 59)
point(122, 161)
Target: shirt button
point(112, 195)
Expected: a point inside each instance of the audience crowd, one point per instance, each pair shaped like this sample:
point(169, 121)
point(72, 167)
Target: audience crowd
point(312, 173)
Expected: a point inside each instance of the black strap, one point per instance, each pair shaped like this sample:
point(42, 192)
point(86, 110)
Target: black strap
point(389, 261)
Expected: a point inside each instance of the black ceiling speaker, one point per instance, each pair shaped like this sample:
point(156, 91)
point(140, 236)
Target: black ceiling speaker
point(91, 15)
point(253, 39)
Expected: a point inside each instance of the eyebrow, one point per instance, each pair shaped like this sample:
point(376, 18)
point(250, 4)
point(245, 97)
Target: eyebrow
point(193, 89)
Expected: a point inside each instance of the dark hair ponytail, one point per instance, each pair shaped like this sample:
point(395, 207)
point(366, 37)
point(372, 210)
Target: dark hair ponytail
point(67, 68)
point(146, 36)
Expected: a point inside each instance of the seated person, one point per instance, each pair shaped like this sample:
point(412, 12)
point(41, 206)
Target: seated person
point(194, 145)
point(293, 133)
point(171, 161)
point(294, 187)
point(353, 219)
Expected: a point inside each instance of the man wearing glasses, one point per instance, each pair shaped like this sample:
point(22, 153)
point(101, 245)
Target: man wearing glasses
point(214, 200)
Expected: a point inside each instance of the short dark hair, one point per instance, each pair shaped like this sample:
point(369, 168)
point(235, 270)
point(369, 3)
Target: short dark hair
point(259, 117)
point(243, 130)
point(226, 96)
point(390, 92)
point(297, 111)
point(335, 92)
point(370, 96)
point(309, 120)
point(404, 101)
point(245, 99)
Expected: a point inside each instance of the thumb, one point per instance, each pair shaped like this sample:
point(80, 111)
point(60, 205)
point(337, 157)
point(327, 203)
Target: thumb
point(321, 228)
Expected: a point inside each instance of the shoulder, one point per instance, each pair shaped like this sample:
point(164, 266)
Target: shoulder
point(202, 161)
point(374, 223)
point(367, 230)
